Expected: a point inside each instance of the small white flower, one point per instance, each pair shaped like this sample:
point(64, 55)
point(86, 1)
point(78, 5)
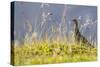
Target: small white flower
point(80, 17)
point(44, 4)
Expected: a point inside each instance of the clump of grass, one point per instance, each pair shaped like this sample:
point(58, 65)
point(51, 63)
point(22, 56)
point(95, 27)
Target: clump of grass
point(46, 52)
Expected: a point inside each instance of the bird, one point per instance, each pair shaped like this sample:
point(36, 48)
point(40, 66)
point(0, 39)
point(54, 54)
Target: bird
point(78, 36)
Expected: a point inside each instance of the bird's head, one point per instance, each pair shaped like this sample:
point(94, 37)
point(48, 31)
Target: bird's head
point(75, 22)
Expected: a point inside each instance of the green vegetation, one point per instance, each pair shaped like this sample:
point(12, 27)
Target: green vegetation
point(45, 52)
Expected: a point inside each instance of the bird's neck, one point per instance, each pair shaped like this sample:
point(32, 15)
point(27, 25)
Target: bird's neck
point(76, 29)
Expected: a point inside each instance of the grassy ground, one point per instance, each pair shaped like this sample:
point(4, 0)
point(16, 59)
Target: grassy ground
point(45, 52)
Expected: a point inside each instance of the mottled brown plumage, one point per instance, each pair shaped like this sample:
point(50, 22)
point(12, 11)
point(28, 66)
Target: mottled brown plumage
point(78, 36)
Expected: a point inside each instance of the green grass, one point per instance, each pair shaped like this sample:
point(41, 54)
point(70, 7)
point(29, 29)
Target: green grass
point(46, 53)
